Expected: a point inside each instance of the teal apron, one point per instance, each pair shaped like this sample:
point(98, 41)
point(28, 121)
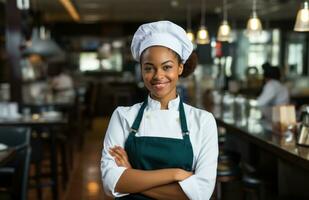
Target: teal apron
point(150, 153)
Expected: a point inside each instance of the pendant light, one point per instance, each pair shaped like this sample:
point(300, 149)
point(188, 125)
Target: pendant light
point(41, 44)
point(224, 31)
point(302, 18)
point(254, 25)
point(202, 34)
point(190, 34)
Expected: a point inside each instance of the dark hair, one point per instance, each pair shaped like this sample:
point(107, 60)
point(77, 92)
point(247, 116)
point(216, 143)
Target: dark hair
point(189, 66)
point(271, 72)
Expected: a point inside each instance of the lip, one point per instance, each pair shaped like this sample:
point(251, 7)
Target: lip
point(160, 85)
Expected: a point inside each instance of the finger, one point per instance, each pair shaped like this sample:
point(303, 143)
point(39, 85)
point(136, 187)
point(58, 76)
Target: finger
point(114, 149)
point(111, 152)
point(118, 158)
point(120, 153)
point(118, 147)
point(123, 151)
point(115, 154)
point(118, 162)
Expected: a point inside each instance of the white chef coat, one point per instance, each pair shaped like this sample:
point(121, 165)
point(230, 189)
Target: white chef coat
point(274, 93)
point(165, 123)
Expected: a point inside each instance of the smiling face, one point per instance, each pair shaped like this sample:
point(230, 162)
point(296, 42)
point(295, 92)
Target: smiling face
point(160, 70)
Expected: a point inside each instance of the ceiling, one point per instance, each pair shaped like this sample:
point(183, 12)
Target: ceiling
point(149, 10)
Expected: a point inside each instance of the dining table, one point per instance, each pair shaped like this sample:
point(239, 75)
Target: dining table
point(37, 121)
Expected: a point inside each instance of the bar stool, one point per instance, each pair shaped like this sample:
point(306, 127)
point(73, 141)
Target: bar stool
point(228, 170)
point(255, 183)
point(252, 186)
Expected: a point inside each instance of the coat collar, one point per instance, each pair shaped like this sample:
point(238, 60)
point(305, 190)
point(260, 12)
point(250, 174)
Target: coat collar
point(156, 105)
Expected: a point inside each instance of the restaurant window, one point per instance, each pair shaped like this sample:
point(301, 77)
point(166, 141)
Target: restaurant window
point(107, 57)
point(253, 51)
point(294, 59)
point(88, 61)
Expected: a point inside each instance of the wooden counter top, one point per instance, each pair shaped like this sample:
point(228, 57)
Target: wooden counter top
point(259, 132)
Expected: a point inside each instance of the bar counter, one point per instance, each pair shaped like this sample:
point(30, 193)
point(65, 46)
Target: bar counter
point(260, 133)
point(288, 163)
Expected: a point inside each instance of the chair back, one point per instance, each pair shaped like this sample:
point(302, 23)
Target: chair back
point(17, 169)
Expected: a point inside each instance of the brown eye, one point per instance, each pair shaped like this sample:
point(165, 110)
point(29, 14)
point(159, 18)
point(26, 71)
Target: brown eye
point(167, 67)
point(148, 68)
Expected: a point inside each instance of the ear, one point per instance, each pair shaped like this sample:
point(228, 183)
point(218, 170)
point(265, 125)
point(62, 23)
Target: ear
point(180, 69)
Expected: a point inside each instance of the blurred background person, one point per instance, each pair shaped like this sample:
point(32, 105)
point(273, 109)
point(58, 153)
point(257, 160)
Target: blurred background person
point(273, 92)
point(61, 83)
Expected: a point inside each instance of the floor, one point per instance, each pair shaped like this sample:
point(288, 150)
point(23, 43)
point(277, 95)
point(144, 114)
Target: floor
point(85, 177)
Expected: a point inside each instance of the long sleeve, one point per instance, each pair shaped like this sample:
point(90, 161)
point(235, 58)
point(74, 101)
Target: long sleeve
point(115, 135)
point(268, 94)
point(200, 186)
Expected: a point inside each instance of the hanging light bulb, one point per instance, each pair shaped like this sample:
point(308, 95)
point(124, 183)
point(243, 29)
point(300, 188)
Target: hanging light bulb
point(190, 34)
point(202, 34)
point(254, 25)
point(224, 31)
point(302, 19)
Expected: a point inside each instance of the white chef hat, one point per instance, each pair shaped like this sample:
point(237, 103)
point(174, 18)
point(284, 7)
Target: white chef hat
point(161, 33)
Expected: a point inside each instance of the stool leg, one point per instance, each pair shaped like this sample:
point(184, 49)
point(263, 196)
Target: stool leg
point(219, 190)
point(64, 165)
point(37, 166)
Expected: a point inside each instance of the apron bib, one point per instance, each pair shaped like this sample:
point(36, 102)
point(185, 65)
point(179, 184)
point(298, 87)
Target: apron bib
point(151, 153)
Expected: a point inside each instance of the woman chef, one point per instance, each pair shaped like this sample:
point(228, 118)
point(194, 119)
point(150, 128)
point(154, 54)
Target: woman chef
point(161, 148)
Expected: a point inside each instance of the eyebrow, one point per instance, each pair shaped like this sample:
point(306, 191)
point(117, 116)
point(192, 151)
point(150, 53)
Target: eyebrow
point(149, 63)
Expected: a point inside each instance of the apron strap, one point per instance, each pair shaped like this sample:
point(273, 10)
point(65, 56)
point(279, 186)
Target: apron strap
point(183, 120)
point(182, 116)
point(139, 117)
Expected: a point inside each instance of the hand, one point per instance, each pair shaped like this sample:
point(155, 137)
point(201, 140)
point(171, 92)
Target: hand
point(120, 156)
point(181, 174)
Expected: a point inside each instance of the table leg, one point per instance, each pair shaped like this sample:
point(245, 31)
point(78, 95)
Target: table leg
point(54, 165)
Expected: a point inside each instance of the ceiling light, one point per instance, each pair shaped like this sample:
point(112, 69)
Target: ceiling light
point(302, 19)
point(71, 9)
point(42, 44)
point(202, 34)
point(224, 31)
point(254, 25)
point(190, 34)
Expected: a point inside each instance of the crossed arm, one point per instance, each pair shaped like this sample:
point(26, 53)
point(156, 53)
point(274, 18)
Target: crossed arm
point(157, 184)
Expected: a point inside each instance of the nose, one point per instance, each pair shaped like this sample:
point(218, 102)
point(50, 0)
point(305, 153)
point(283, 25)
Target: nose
point(158, 74)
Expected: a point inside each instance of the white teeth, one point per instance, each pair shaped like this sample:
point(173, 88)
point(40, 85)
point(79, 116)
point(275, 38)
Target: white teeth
point(159, 85)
